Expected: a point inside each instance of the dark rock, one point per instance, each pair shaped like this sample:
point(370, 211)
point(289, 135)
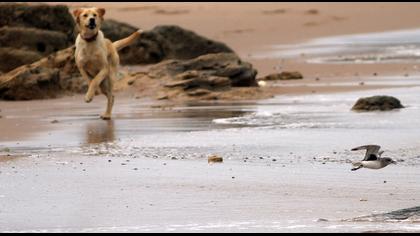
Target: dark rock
point(169, 42)
point(381, 103)
point(41, 16)
point(284, 76)
point(42, 41)
point(412, 214)
point(12, 58)
point(46, 78)
point(211, 72)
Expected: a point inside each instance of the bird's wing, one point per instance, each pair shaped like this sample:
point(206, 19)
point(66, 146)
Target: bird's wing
point(371, 151)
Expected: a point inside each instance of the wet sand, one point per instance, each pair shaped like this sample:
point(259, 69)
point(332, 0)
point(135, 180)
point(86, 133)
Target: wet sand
point(96, 194)
point(64, 170)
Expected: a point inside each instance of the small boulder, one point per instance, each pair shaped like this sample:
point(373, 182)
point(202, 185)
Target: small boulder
point(377, 103)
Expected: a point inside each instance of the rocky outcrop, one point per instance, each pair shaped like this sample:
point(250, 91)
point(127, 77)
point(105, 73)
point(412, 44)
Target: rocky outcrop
point(46, 78)
point(407, 214)
point(38, 56)
point(377, 103)
point(169, 42)
point(30, 32)
point(283, 76)
point(210, 72)
point(39, 16)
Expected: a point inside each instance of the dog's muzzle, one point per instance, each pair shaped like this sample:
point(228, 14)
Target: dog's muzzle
point(92, 24)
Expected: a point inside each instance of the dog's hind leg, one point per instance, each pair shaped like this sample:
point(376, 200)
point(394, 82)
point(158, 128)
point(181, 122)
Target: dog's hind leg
point(106, 88)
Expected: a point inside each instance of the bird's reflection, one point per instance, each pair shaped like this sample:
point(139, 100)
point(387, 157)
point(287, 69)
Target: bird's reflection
point(100, 132)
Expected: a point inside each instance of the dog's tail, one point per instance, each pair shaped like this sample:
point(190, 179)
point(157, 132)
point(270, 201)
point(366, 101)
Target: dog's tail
point(120, 44)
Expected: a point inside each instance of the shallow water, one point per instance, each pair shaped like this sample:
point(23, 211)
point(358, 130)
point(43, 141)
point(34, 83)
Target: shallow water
point(284, 130)
point(384, 47)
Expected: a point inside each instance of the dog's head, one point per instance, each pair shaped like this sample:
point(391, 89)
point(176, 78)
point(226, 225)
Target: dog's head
point(89, 20)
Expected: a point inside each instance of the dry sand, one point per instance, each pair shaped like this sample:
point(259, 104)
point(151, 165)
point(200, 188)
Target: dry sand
point(52, 190)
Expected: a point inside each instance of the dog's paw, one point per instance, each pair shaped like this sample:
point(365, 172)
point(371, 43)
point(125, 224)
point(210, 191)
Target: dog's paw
point(106, 117)
point(88, 98)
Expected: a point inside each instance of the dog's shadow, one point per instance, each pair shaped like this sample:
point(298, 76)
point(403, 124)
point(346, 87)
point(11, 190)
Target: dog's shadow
point(100, 132)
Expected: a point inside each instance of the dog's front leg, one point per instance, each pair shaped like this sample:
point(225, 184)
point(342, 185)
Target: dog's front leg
point(94, 84)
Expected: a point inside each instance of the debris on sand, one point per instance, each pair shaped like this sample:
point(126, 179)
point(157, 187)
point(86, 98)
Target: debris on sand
point(215, 159)
point(321, 220)
point(275, 11)
point(286, 75)
point(312, 12)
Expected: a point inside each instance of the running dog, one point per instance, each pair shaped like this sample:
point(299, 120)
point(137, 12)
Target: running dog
point(97, 57)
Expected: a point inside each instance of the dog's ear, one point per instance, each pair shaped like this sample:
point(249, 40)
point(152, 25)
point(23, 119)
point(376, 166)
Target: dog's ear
point(76, 14)
point(101, 12)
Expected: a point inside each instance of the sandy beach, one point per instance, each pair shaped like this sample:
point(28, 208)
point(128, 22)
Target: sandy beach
point(287, 156)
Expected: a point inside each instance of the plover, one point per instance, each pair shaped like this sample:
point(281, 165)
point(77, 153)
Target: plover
point(373, 159)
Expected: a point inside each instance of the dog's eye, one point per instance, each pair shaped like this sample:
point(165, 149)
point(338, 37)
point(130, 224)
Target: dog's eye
point(85, 15)
point(94, 15)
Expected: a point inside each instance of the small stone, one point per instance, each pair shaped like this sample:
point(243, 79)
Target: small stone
point(384, 181)
point(54, 122)
point(363, 200)
point(109, 160)
point(321, 220)
point(215, 159)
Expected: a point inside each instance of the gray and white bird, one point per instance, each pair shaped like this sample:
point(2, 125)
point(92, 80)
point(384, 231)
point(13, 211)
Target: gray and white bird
point(373, 159)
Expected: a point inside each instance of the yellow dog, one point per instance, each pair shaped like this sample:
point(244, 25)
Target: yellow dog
point(97, 57)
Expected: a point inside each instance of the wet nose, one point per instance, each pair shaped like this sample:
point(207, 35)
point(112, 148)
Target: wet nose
point(92, 21)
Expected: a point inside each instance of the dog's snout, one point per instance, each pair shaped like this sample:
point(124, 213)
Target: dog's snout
point(92, 21)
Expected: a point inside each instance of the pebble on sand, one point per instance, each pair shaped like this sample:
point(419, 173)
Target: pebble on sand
point(215, 159)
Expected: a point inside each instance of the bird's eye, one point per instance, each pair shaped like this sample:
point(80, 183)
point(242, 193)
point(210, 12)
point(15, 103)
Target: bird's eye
point(85, 15)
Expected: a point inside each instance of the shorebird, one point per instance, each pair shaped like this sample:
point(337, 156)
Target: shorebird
point(373, 159)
